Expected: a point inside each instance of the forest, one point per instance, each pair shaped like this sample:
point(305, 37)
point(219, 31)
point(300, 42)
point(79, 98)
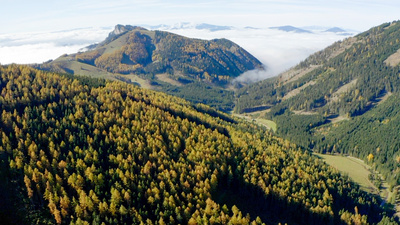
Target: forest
point(76, 150)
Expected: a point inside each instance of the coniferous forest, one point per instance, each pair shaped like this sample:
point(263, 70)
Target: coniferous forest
point(76, 150)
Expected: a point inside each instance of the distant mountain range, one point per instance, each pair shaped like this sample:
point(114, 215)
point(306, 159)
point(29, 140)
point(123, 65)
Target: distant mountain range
point(336, 30)
point(214, 28)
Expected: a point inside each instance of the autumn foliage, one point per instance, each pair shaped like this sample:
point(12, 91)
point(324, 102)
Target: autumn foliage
point(91, 152)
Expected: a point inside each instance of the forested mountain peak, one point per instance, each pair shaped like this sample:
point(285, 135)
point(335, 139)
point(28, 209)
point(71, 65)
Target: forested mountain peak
point(134, 50)
point(198, 70)
point(76, 150)
point(340, 99)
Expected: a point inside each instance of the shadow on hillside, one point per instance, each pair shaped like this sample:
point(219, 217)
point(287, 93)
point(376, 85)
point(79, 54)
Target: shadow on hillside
point(273, 209)
point(10, 213)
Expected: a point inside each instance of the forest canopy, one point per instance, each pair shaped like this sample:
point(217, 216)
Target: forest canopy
point(86, 151)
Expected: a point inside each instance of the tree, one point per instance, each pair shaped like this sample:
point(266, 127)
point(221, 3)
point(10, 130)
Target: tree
point(370, 157)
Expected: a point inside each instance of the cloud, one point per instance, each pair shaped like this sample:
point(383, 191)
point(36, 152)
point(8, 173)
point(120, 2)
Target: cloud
point(26, 48)
point(35, 53)
point(252, 76)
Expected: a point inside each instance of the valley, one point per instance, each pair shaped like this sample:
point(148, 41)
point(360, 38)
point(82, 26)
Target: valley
point(354, 168)
point(358, 171)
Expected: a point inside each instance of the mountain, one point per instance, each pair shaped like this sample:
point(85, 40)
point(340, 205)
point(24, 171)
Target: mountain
point(335, 30)
point(291, 29)
point(339, 31)
point(76, 150)
point(211, 27)
point(163, 61)
point(343, 99)
point(135, 50)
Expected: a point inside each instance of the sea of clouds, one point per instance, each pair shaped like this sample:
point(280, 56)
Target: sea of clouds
point(277, 50)
point(27, 48)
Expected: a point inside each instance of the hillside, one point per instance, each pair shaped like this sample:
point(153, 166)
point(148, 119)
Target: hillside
point(162, 61)
point(340, 100)
point(76, 150)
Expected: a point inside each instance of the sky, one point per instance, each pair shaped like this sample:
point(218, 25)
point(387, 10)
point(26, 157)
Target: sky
point(51, 15)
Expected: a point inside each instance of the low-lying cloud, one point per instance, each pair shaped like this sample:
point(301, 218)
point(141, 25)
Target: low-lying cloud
point(277, 50)
point(252, 76)
point(26, 48)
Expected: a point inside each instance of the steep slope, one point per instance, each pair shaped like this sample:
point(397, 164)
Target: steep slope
point(86, 151)
point(348, 82)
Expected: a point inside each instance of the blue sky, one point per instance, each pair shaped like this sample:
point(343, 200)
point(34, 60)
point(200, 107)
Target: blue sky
point(52, 15)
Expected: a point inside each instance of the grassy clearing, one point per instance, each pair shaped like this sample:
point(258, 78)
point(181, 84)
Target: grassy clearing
point(258, 117)
point(394, 59)
point(268, 123)
point(254, 117)
point(136, 79)
point(356, 169)
point(165, 77)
